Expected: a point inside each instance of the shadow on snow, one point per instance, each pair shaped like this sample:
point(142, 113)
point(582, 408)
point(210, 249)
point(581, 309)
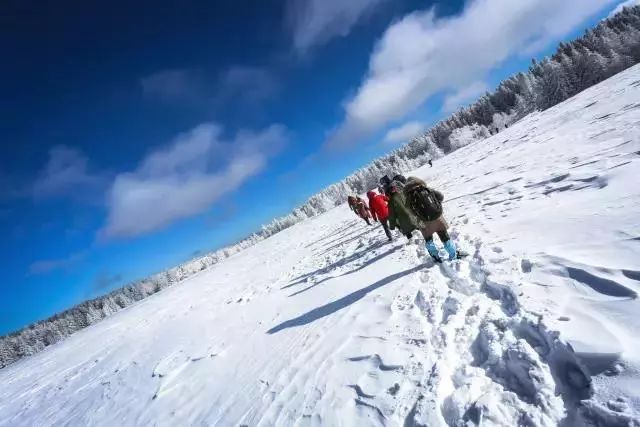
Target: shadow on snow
point(337, 264)
point(332, 235)
point(364, 265)
point(337, 305)
point(353, 236)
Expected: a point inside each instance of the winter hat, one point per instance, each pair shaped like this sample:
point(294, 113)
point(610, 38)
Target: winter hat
point(371, 194)
point(400, 178)
point(385, 180)
point(397, 185)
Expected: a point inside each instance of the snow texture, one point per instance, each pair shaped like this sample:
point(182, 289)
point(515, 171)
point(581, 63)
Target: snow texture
point(326, 323)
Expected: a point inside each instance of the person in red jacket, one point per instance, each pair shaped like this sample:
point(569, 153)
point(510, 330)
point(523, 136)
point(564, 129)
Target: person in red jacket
point(380, 210)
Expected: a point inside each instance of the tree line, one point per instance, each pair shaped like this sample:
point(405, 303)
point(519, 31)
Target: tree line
point(603, 51)
point(612, 46)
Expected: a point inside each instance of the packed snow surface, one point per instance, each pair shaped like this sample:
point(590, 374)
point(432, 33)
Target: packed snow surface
point(326, 323)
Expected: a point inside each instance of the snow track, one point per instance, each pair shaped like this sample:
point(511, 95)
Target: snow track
point(326, 323)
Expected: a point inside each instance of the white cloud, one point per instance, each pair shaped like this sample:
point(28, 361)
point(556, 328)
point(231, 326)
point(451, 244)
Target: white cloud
point(404, 133)
point(421, 55)
point(186, 177)
point(176, 85)
point(238, 85)
point(104, 281)
point(315, 22)
point(627, 3)
point(464, 95)
point(67, 174)
point(247, 84)
point(50, 265)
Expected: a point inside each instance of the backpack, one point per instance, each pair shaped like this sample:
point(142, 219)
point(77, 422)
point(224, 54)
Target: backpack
point(424, 203)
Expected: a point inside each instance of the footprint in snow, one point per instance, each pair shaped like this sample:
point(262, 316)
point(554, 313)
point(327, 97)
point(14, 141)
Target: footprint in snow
point(169, 364)
point(526, 265)
point(376, 360)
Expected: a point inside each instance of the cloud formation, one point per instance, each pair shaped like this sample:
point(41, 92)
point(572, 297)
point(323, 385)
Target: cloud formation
point(315, 22)
point(67, 174)
point(186, 177)
point(237, 85)
point(421, 55)
point(404, 133)
point(464, 95)
point(251, 84)
point(50, 265)
point(104, 281)
point(175, 85)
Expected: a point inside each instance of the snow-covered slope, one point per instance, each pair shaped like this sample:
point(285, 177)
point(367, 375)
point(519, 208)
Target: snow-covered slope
point(326, 323)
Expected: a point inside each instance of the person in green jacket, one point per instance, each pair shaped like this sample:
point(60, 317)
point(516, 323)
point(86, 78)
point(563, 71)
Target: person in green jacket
point(399, 215)
point(426, 204)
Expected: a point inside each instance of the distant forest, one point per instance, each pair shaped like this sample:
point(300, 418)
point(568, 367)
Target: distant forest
point(612, 46)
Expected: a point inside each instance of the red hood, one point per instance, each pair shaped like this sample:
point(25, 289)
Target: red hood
point(371, 194)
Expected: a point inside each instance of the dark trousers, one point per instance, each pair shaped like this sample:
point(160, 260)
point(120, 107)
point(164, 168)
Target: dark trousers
point(385, 226)
point(442, 234)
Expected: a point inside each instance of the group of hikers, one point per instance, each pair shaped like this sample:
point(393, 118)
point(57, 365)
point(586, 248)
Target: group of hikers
point(407, 204)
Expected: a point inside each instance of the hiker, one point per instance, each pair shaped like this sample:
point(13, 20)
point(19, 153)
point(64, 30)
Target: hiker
point(400, 216)
point(430, 163)
point(400, 178)
point(426, 204)
point(379, 210)
point(359, 207)
point(385, 185)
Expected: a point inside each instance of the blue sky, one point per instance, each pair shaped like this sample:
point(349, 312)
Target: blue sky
point(134, 136)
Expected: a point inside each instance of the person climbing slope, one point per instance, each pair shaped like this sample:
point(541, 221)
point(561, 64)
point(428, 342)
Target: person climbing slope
point(379, 210)
point(351, 201)
point(426, 204)
point(359, 207)
point(400, 216)
point(385, 185)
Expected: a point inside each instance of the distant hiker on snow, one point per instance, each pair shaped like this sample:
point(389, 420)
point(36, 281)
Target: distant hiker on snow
point(430, 163)
point(380, 210)
point(400, 216)
point(426, 204)
point(360, 208)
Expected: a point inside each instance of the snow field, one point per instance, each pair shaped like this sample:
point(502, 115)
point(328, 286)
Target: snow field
point(326, 323)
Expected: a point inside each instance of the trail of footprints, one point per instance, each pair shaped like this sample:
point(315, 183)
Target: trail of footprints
point(473, 355)
point(490, 357)
point(453, 347)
